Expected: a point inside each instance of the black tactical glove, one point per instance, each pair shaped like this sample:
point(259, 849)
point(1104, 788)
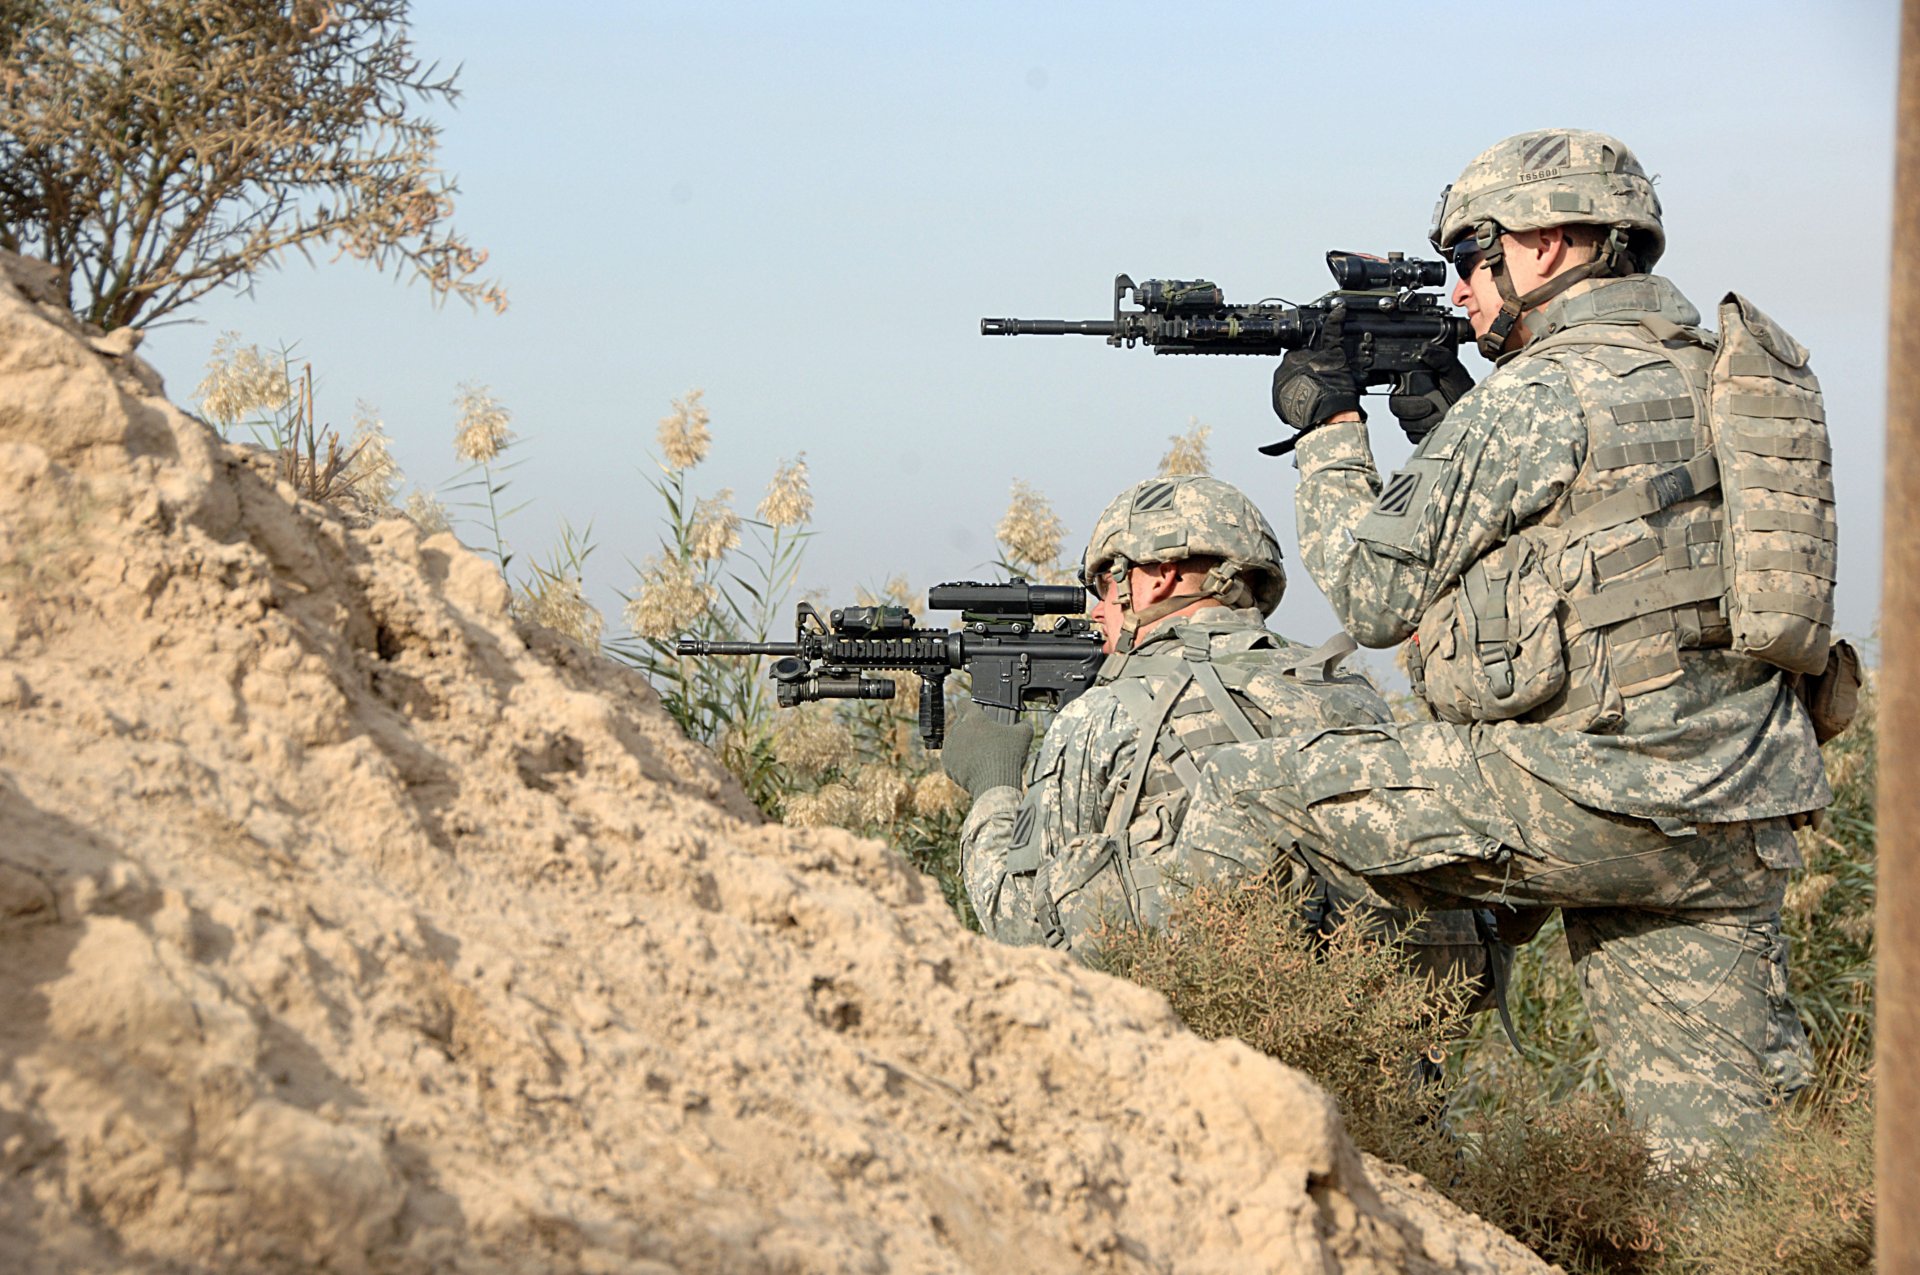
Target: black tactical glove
point(1314, 384)
point(1433, 390)
point(981, 753)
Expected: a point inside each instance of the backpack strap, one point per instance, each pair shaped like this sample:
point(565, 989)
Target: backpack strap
point(1200, 664)
point(1322, 661)
point(1150, 721)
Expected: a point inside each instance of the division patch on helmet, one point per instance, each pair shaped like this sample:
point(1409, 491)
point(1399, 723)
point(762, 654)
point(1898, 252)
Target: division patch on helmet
point(1551, 151)
point(1154, 496)
point(1397, 497)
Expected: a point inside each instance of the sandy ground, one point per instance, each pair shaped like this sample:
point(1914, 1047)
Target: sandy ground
point(346, 927)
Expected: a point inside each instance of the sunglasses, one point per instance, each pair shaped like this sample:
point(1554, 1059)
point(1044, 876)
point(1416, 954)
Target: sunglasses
point(1096, 583)
point(1466, 256)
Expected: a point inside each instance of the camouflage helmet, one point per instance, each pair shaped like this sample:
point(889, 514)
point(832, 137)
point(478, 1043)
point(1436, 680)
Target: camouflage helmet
point(1191, 516)
point(1553, 177)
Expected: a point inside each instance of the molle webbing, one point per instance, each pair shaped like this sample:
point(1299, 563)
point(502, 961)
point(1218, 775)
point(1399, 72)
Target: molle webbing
point(1662, 491)
point(1765, 447)
point(1767, 365)
point(1779, 407)
point(1656, 409)
point(1660, 593)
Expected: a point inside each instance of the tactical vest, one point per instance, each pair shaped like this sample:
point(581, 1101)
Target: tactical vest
point(1180, 729)
point(1697, 520)
point(1184, 733)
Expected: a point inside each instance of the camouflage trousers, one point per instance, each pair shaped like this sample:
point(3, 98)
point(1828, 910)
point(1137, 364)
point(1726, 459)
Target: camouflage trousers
point(1674, 931)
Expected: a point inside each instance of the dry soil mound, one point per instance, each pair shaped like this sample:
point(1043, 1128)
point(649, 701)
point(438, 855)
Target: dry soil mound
point(345, 927)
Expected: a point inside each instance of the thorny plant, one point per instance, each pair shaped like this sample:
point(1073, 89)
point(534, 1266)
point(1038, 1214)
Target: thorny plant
point(155, 150)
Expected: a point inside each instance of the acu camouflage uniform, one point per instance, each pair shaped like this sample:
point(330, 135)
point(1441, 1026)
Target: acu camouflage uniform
point(1651, 798)
point(1049, 865)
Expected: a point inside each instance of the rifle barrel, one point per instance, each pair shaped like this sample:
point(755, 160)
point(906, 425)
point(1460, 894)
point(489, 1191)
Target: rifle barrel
point(701, 646)
point(1048, 327)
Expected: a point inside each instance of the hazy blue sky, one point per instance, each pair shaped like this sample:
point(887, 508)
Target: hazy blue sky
point(806, 209)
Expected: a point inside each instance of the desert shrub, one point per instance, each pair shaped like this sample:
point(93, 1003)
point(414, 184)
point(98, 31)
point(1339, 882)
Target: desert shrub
point(1569, 1177)
point(1803, 1205)
point(1242, 960)
point(1543, 1154)
point(155, 150)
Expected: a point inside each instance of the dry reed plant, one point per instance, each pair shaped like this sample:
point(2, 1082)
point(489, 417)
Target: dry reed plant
point(242, 385)
point(245, 387)
point(684, 437)
point(1030, 532)
point(1187, 453)
point(374, 475)
point(556, 594)
point(426, 510)
point(720, 575)
point(482, 437)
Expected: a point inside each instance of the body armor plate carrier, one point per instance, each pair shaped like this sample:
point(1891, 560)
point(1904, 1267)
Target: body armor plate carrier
point(1731, 542)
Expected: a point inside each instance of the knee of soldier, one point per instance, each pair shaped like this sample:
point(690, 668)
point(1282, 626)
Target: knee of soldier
point(1709, 990)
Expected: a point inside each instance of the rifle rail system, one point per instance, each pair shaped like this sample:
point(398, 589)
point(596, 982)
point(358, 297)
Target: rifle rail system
point(1390, 328)
point(1014, 664)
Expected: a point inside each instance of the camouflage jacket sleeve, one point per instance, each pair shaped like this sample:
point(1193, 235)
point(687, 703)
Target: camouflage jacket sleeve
point(1382, 553)
point(1071, 781)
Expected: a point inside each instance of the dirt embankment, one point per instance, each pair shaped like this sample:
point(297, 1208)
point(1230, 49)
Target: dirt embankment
point(345, 927)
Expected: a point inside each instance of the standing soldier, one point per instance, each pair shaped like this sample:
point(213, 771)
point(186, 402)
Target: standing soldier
point(1607, 555)
point(1185, 571)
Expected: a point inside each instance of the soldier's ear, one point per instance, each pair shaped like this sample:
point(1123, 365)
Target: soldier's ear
point(1545, 249)
point(1161, 580)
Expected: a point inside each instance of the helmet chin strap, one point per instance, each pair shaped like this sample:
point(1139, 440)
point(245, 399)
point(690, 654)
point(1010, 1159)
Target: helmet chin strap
point(1132, 621)
point(1607, 261)
point(1214, 589)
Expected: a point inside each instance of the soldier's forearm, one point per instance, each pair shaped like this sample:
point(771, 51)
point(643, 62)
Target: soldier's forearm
point(1339, 484)
point(1000, 899)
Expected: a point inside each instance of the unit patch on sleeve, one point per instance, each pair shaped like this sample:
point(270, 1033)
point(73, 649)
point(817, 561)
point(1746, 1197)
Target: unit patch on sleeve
point(1397, 497)
point(1023, 826)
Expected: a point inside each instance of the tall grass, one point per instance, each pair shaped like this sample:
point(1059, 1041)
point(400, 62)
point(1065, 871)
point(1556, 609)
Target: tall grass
point(720, 575)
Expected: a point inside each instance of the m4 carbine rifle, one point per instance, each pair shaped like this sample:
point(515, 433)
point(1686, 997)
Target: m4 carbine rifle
point(1013, 663)
point(1392, 331)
